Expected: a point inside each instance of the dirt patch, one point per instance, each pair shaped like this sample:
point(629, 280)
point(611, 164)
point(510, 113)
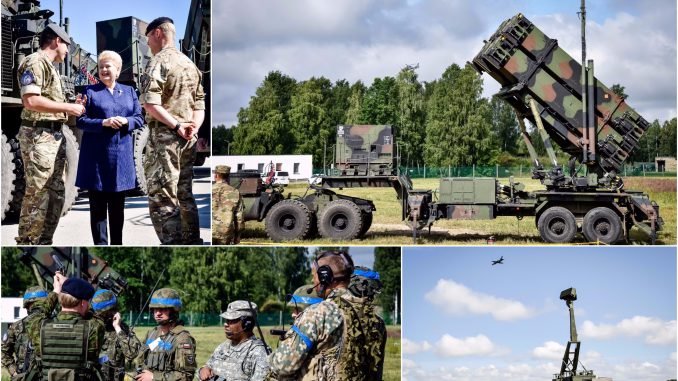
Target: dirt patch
point(400, 229)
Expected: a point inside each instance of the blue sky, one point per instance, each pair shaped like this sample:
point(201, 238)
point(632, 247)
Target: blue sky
point(460, 311)
point(632, 42)
point(83, 15)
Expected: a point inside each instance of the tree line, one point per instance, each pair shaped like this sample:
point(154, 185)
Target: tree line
point(209, 278)
point(444, 122)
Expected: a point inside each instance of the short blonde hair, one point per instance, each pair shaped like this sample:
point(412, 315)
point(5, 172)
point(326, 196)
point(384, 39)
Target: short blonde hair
point(68, 301)
point(109, 55)
point(168, 30)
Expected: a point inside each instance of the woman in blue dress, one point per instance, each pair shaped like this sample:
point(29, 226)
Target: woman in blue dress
point(106, 164)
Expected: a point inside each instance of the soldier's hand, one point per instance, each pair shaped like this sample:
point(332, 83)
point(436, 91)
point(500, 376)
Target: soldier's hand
point(146, 375)
point(116, 322)
point(75, 109)
point(186, 130)
point(205, 373)
point(59, 280)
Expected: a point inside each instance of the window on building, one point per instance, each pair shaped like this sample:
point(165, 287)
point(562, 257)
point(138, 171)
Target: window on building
point(17, 310)
point(241, 166)
point(260, 167)
point(278, 166)
point(296, 168)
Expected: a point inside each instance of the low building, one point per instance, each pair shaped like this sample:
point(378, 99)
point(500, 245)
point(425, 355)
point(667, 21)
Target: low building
point(665, 164)
point(11, 310)
point(299, 167)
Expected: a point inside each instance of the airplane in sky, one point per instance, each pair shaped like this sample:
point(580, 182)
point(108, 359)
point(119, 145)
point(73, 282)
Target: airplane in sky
point(499, 261)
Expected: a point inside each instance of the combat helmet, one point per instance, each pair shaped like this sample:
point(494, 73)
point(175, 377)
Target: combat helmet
point(104, 301)
point(303, 297)
point(34, 294)
point(166, 298)
point(365, 282)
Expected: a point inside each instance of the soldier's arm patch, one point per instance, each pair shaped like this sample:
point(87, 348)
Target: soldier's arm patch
point(186, 346)
point(27, 78)
point(5, 337)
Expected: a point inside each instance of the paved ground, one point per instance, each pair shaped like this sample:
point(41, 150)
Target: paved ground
point(74, 230)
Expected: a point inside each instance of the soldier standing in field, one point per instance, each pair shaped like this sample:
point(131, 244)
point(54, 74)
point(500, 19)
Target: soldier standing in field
point(364, 287)
point(227, 209)
point(17, 349)
point(43, 147)
point(169, 349)
point(243, 356)
point(311, 349)
point(120, 343)
point(71, 329)
point(173, 97)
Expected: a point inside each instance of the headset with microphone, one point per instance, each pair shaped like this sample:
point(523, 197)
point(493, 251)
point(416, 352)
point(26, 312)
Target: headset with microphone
point(325, 274)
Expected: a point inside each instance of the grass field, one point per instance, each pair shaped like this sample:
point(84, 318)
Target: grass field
point(208, 338)
point(388, 228)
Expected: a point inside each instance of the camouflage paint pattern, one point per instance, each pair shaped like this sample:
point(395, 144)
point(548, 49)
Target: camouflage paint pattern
point(43, 151)
point(364, 150)
point(169, 357)
point(168, 165)
point(311, 348)
point(118, 349)
point(227, 214)
point(527, 63)
point(246, 361)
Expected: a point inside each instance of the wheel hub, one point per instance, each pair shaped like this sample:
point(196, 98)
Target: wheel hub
point(558, 227)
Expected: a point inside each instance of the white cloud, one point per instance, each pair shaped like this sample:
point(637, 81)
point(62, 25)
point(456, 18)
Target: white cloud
point(479, 345)
point(457, 299)
point(411, 347)
point(550, 350)
point(653, 330)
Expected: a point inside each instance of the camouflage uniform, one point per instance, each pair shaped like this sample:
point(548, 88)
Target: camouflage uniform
point(227, 211)
point(117, 347)
point(95, 337)
point(43, 150)
point(172, 81)
point(311, 348)
point(171, 357)
point(17, 349)
point(245, 361)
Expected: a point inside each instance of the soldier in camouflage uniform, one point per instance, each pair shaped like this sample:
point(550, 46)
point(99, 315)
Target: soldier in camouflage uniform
point(227, 209)
point(120, 343)
point(364, 287)
point(303, 297)
point(72, 328)
point(172, 95)
point(17, 349)
point(242, 357)
point(311, 348)
point(169, 349)
point(43, 146)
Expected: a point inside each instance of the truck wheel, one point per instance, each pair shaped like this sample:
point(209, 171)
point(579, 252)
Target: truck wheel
point(603, 225)
point(8, 175)
point(288, 220)
point(557, 225)
point(70, 170)
point(367, 222)
point(341, 220)
point(140, 136)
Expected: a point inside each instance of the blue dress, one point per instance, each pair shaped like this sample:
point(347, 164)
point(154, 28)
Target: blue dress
point(106, 160)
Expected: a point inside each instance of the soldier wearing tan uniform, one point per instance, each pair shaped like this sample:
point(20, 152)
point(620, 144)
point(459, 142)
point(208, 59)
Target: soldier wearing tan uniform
point(43, 147)
point(227, 209)
point(172, 95)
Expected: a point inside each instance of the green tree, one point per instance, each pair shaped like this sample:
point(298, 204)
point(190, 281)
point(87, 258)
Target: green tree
point(667, 144)
point(222, 139)
point(16, 276)
point(619, 90)
point(311, 126)
point(505, 130)
point(458, 120)
point(338, 102)
point(387, 263)
point(263, 126)
point(380, 103)
point(355, 104)
point(411, 115)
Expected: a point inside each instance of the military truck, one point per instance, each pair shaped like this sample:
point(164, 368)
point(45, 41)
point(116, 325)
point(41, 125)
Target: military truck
point(544, 85)
point(22, 23)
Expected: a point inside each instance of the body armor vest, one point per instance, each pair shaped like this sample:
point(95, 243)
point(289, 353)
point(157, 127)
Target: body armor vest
point(111, 359)
point(64, 346)
point(161, 354)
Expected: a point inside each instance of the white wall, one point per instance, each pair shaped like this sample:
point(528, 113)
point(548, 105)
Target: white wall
point(8, 311)
point(304, 163)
